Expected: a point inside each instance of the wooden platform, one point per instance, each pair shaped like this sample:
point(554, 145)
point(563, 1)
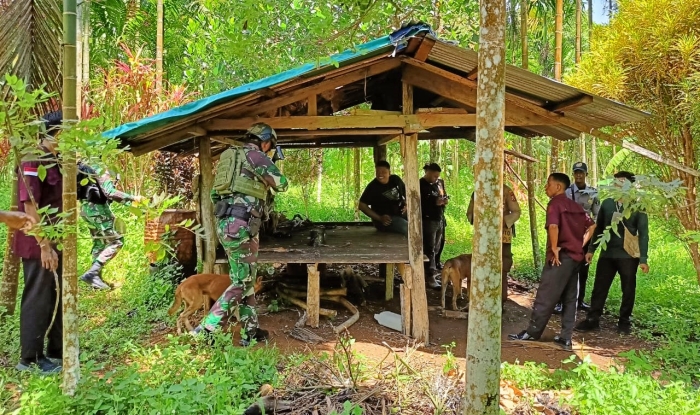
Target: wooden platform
point(346, 243)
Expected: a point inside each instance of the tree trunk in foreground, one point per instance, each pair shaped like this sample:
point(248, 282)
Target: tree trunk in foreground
point(10, 265)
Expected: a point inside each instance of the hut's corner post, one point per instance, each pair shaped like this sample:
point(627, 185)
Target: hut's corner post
point(409, 153)
point(206, 174)
point(482, 394)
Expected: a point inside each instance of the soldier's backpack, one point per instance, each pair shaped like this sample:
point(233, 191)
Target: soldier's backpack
point(88, 188)
point(228, 178)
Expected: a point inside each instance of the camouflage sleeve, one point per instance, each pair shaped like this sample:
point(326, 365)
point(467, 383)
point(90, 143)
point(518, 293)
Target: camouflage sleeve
point(110, 190)
point(267, 171)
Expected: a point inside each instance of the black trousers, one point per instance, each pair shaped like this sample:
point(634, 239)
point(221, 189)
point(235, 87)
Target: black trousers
point(557, 282)
point(432, 236)
point(438, 255)
point(38, 303)
point(507, 259)
point(604, 276)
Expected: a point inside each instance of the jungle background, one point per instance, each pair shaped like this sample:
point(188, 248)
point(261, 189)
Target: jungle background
point(646, 55)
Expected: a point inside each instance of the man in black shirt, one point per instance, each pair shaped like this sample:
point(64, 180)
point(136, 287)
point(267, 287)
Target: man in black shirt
point(432, 203)
point(384, 200)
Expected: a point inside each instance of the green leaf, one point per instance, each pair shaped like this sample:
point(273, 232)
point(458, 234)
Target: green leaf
point(41, 171)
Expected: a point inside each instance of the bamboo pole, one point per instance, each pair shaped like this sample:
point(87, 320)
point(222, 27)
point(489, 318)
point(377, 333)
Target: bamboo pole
point(484, 335)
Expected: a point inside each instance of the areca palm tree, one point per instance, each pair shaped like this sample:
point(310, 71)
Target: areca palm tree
point(31, 39)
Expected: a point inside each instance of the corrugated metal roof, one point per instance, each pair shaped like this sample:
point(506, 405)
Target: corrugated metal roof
point(533, 88)
point(599, 113)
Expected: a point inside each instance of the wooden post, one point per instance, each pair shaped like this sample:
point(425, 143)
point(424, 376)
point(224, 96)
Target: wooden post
point(206, 174)
point(389, 282)
point(313, 295)
point(482, 392)
point(409, 153)
point(379, 153)
point(405, 290)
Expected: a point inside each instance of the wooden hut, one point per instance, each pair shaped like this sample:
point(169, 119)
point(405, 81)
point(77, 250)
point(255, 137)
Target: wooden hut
point(420, 88)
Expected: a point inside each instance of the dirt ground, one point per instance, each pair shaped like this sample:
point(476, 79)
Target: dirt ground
point(602, 346)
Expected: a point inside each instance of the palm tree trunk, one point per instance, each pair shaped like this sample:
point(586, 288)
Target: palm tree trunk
point(483, 341)
point(523, 33)
point(578, 31)
point(455, 163)
point(10, 265)
point(434, 151)
point(159, 46)
point(86, 43)
point(590, 22)
point(319, 175)
point(594, 161)
point(558, 38)
point(357, 176)
point(71, 364)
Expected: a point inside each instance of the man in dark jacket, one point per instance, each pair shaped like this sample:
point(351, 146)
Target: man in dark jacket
point(432, 204)
point(614, 259)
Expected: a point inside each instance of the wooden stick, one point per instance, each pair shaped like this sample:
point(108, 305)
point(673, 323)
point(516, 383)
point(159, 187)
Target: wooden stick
point(301, 294)
point(352, 320)
point(312, 297)
point(517, 176)
point(321, 311)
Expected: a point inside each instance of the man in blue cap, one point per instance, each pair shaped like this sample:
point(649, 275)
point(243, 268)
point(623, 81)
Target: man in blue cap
point(587, 197)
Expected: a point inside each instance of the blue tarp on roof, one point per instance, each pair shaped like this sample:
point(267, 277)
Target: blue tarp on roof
point(374, 47)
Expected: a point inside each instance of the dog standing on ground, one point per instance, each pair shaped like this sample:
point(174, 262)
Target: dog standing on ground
point(455, 270)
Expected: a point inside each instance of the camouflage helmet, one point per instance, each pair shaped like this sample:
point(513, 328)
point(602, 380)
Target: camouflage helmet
point(262, 132)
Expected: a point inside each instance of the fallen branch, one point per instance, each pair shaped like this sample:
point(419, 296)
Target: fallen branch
point(321, 311)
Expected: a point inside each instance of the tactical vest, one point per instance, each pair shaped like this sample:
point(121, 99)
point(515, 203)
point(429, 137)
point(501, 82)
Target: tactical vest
point(228, 178)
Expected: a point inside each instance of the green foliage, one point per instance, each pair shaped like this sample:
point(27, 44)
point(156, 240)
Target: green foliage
point(170, 378)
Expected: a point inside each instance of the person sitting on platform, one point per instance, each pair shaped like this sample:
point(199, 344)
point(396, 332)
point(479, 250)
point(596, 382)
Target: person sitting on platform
point(384, 200)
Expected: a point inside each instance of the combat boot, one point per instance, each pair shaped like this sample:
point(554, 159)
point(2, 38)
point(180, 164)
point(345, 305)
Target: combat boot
point(92, 277)
point(258, 334)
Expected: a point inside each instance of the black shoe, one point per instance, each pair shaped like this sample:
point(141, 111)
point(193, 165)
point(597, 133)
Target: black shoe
point(95, 281)
point(583, 306)
point(433, 282)
point(563, 343)
point(259, 335)
point(44, 366)
point(587, 325)
point(558, 308)
point(624, 328)
point(521, 336)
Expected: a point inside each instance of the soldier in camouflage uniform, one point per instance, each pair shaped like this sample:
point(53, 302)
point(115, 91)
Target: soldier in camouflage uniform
point(238, 223)
point(96, 191)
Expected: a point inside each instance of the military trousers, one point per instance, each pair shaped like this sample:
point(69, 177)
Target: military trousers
point(106, 241)
point(239, 298)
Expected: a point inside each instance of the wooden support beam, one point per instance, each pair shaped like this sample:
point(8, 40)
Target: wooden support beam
point(473, 74)
point(336, 132)
point(311, 107)
point(389, 287)
point(388, 140)
point(206, 174)
point(146, 146)
point(313, 295)
point(519, 111)
point(412, 122)
point(424, 49)
point(227, 140)
point(287, 93)
point(409, 153)
point(461, 90)
point(379, 153)
point(574, 102)
point(350, 144)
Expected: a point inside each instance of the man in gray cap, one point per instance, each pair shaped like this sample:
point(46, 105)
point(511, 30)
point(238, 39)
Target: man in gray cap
point(586, 197)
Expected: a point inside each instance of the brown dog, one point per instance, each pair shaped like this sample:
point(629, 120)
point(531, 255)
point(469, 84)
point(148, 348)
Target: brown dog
point(455, 270)
point(198, 291)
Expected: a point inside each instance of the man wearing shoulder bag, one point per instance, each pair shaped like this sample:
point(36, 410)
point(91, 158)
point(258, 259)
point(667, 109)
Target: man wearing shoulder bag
point(622, 255)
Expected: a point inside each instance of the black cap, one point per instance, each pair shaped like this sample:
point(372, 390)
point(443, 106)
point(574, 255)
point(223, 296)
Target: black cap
point(432, 167)
point(580, 166)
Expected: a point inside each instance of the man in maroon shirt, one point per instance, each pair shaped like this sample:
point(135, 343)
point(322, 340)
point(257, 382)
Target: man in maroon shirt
point(40, 260)
point(568, 229)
